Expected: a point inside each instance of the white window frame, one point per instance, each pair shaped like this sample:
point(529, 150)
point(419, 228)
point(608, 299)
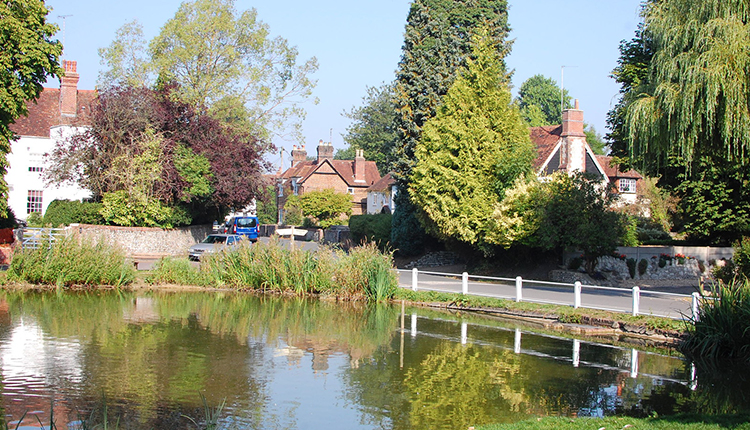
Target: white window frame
point(34, 201)
point(627, 185)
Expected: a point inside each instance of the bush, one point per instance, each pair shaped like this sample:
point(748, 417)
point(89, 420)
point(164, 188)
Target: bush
point(642, 266)
point(575, 263)
point(371, 228)
point(9, 221)
point(72, 261)
point(631, 267)
point(742, 258)
point(66, 212)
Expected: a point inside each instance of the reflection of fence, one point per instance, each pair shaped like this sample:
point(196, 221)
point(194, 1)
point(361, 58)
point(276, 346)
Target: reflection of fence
point(574, 358)
point(33, 237)
point(634, 301)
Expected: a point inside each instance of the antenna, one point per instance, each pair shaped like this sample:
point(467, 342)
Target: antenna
point(562, 89)
point(330, 136)
point(64, 18)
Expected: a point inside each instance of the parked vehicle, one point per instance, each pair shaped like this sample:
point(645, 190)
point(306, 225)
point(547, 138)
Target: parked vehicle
point(213, 243)
point(243, 225)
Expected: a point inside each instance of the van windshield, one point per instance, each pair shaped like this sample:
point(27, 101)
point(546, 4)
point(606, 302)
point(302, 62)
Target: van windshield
point(246, 222)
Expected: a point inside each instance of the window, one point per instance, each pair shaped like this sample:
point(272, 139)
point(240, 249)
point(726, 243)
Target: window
point(35, 169)
point(281, 190)
point(34, 202)
point(627, 185)
point(295, 187)
point(350, 190)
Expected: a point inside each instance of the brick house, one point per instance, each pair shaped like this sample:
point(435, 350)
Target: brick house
point(353, 177)
point(564, 148)
point(57, 114)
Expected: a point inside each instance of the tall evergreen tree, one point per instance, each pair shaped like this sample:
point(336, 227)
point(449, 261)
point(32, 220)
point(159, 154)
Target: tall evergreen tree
point(436, 44)
point(471, 150)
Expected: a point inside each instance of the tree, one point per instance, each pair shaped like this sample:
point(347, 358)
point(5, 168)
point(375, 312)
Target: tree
point(540, 101)
point(154, 160)
point(326, 206)
point(690, 114)
point(436, 45)
point(372, 129)
point(471, 150)
point(28, 57)
point(594, 139)
point(126, 59)
point(227, 62)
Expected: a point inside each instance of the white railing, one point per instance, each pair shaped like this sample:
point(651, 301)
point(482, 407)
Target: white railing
point(450, 284)
point(33, 237)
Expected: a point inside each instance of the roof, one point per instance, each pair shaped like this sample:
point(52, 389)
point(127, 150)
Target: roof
point(45, 113)
point(546, 139)
point(614, 171)
point(344, 168)
point(383, 184)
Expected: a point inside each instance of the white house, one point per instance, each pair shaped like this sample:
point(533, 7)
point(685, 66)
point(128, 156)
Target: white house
point(57, 113)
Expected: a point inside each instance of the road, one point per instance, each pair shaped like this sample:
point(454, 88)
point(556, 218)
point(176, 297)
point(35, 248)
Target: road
point(621, 300)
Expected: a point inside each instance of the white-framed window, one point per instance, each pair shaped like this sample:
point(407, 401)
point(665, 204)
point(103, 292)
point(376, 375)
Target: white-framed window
point(34, 202)
point(281, 190)
point(627, 185)
point(350, 190)
point(295, 187)
point(36, 169)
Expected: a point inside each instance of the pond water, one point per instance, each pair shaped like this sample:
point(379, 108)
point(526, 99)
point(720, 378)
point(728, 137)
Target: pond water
point(147, 361)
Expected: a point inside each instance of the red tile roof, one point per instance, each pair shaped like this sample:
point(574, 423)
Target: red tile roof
point(614, 171)
point(383, 184)
point(545, 138)
point(345, 169)
point(45, 113)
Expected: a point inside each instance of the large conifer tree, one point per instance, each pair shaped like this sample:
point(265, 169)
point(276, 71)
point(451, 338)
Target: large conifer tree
point(437, 43)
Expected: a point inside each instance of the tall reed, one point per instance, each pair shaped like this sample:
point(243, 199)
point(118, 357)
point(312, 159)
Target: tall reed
point(722, 331)
point(70, 261)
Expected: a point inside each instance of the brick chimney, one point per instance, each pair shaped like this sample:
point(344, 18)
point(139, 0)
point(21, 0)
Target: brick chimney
point(298, 154)
point(69, 90)
point(325, 151)
point(572, 123)
point(359, 166)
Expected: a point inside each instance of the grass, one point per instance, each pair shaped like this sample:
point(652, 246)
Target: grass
point(562, 313)
point(72, 261)
point(676, 422)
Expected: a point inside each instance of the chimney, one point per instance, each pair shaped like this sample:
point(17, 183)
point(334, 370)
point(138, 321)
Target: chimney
point(325, 151)
point(298, 154)
point(572, 123)
point(69, 90)
point(359, 166)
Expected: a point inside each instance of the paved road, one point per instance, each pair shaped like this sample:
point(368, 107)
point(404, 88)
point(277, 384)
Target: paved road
point(621, 300)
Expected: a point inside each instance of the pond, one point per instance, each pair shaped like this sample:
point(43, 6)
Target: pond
point(148, 361)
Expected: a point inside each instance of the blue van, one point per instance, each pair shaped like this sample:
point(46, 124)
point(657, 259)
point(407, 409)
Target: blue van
point(243, 225)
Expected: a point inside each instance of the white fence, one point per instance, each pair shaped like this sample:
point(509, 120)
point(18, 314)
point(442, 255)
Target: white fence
point(612, 299)
point(33, 237)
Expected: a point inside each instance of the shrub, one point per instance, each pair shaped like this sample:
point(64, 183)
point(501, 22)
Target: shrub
point(742, 258)
point(9, 221)
point(631, 266)
point(371, 228)
point(575, 263)
point(642, 266)
point(72, 261)
point(66, 212)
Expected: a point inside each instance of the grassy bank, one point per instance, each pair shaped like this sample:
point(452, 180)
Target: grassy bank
point(678, 422)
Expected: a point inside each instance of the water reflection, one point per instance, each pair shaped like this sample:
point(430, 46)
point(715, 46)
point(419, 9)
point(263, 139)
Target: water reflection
point(298, 363)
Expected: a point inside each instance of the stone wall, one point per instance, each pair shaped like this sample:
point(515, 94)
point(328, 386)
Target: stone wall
point(147, 240)
point(689, 269)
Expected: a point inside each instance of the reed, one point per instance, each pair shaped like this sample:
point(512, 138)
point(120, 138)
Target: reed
point(722, 331)
point(72, 261)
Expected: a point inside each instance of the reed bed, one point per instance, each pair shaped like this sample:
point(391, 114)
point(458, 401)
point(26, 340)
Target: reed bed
point(364, 272)
point(722, 331)
point(72, 261)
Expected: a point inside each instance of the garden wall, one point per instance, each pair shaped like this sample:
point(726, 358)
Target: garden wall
point(147, 240)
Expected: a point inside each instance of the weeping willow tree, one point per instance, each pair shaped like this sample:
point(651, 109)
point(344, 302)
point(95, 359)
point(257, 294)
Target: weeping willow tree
point(688, 119)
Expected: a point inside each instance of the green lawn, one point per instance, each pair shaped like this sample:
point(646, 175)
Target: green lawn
point(680, 422)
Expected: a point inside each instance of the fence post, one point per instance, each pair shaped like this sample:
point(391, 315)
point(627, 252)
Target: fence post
point(464, 333)
point(577, 299)
point(636, 300)
point(576, 352)
point(414, 276)
point(517, 342)
point(465, 283)
point(695, 306)
point(519, 288)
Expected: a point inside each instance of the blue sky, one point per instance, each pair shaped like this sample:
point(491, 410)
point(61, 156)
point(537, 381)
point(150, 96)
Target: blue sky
point(358, 44)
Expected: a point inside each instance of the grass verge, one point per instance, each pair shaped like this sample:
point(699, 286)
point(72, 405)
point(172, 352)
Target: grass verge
point(676, 422)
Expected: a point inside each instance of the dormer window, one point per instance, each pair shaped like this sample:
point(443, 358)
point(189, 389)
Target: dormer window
point(627, 186)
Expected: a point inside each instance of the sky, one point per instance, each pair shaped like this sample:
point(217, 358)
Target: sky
point(358, 45)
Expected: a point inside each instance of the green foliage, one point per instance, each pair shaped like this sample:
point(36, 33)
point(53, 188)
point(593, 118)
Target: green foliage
point(642, 266)
point(225, 60)
point(575, 263)
point(630, 262)
point(195, 170)
point(595, 140)
point(35, 219)
point(72, 261)
point(541, 100)
point(9, 220)
point(325, 206)
point(721, 332)
point(471, 150)
point(741, 258)
point(293, 211)
point(371, 228)
point(66, 212)
point(120, 208)
point(630, 236)
point(125, 59)
point(372, 128)
point(681, 422)
point(408, 237)
point(28, 58)
point(265, 206)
